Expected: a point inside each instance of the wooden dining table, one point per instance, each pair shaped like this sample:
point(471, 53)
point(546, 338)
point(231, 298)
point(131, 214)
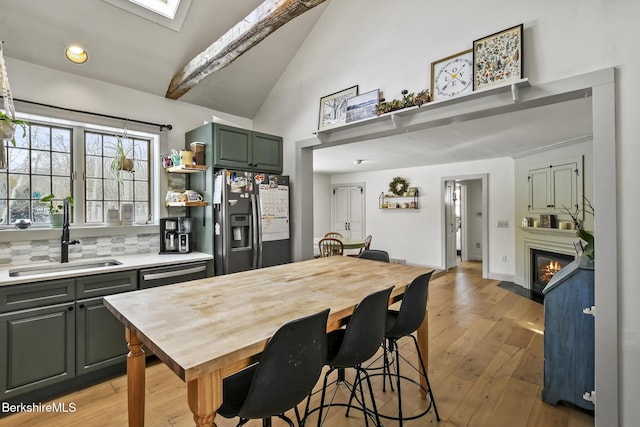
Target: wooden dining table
point(207, 329)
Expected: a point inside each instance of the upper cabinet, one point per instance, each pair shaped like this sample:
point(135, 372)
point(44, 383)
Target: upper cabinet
point(236, 148)
point(554, 187)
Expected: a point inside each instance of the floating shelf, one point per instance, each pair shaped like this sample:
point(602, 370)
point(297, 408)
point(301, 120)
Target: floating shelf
point(388, 202)
point(185, 204)
point(187, 168)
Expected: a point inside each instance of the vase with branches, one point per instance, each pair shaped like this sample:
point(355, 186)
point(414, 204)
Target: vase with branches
point(589, 238)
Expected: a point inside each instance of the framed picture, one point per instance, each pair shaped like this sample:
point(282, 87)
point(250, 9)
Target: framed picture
point(362, 106)
point(497, 58)
point(333, 108)
point(452, 76)
point(412, 191)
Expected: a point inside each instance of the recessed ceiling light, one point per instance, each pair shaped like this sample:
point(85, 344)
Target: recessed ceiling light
point(76, 54)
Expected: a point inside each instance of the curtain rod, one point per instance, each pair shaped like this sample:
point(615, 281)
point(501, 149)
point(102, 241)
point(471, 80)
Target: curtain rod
point(161, 126)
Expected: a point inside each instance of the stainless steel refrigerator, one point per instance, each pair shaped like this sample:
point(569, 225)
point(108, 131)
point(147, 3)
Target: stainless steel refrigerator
point(251, 221)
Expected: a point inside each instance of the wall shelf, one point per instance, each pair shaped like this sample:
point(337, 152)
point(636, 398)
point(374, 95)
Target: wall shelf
point(187, 169)
point(399, 202)
point(185, 204)
point(425, 116)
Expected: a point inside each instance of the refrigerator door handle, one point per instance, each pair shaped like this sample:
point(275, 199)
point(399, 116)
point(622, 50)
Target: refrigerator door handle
point(254, 230)
point(259, 229)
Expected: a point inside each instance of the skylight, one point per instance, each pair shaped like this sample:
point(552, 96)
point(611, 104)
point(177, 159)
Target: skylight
point(168, 13)
point(165, 8)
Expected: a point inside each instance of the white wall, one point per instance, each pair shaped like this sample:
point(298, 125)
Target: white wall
point(416, 235)
point(321, 204)
point(389, 45)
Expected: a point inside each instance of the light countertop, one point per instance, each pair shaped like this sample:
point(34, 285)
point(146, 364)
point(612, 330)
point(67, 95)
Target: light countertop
point(128, 262)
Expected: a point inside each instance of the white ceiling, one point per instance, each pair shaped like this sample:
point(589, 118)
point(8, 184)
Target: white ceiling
point(491, 137)
point(130, 51)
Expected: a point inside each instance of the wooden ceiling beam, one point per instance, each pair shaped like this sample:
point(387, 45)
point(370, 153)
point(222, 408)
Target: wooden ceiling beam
point(264, 20)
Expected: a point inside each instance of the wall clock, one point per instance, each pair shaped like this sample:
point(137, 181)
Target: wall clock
point(452, 76)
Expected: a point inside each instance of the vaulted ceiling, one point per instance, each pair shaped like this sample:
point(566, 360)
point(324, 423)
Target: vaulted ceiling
point(129, 50)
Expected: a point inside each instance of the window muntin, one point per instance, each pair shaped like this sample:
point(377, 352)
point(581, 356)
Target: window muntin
point(39, 164)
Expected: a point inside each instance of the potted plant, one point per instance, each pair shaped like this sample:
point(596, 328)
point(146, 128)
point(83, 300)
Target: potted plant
point(55, 209)
point(8, 127)
point(122, 161)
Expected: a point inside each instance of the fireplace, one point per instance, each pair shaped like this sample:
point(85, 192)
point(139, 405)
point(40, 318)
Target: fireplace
point(544, 264)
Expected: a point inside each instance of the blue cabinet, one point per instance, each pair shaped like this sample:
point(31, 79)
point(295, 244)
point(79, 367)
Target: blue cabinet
point(569, 335)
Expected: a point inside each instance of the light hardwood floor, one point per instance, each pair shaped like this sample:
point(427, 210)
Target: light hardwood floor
point(485, 367)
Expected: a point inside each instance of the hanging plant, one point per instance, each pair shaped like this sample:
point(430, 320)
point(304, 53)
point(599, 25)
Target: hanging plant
point(8, 121)
point(398, 186)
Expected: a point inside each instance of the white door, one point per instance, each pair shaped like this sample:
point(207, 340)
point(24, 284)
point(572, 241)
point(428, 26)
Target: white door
point(347, 210)
point(450, 224)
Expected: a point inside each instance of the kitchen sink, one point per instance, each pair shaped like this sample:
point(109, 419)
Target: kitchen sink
point(62, 267)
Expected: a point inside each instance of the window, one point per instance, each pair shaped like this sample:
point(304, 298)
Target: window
point(107, 186)
point(39, 164)
point(74, 159)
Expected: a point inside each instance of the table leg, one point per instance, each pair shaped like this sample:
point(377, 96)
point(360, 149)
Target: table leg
point(135, 379)
point(423, 343)
point(204, 397)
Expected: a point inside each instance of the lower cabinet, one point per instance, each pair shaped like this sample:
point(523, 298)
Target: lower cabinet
point(99, 337)
point(45, 344)
point(38, 348)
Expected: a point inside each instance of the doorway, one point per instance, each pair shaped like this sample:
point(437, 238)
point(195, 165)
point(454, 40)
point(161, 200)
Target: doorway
point(465, 227)
point(347, 210)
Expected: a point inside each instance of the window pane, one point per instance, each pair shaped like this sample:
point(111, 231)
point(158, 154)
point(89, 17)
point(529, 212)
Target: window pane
point(3, 212)
point(40, 212)
point(61, 164)
point(109, 145)
point(61, 140)
point(94, 167)
point(110, 191)
point(94, 211)
point(61, 186)
point(141, 168)
point(40, 186)
point(141, 212)
point(41, 137)
point(22, 140)
point(41, 162)
point(94, 189)
point(18, 209)
point(19, 187)
point(18, 160)
point(93, 144)
point(3, 186)
point(126, 191)
point(142, 190)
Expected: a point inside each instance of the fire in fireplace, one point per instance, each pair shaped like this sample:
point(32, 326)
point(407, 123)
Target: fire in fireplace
point(544, 264)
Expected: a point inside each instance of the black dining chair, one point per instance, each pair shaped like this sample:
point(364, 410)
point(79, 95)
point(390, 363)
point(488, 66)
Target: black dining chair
point(403, 323)
point(351, 346)
point(288, 369)
point(374, 254)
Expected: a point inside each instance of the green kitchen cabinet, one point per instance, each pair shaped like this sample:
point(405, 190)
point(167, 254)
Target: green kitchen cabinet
point(100, 337)
point(54, 331)
point(235, 148)
point(38, 348)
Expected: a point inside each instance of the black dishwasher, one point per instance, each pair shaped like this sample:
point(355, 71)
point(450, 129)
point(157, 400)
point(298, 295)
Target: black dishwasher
point(169, 274)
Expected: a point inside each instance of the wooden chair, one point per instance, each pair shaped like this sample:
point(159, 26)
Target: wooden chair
point(334, 235)
point(330, 246)
point(367, 243)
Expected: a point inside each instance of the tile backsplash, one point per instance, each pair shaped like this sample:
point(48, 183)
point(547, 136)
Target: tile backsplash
point(36, 251)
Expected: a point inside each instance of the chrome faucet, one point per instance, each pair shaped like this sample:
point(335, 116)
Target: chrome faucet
point(64, 240)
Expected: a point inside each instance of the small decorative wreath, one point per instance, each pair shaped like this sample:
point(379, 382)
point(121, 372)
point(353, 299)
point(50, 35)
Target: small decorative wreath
point(398, 186)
